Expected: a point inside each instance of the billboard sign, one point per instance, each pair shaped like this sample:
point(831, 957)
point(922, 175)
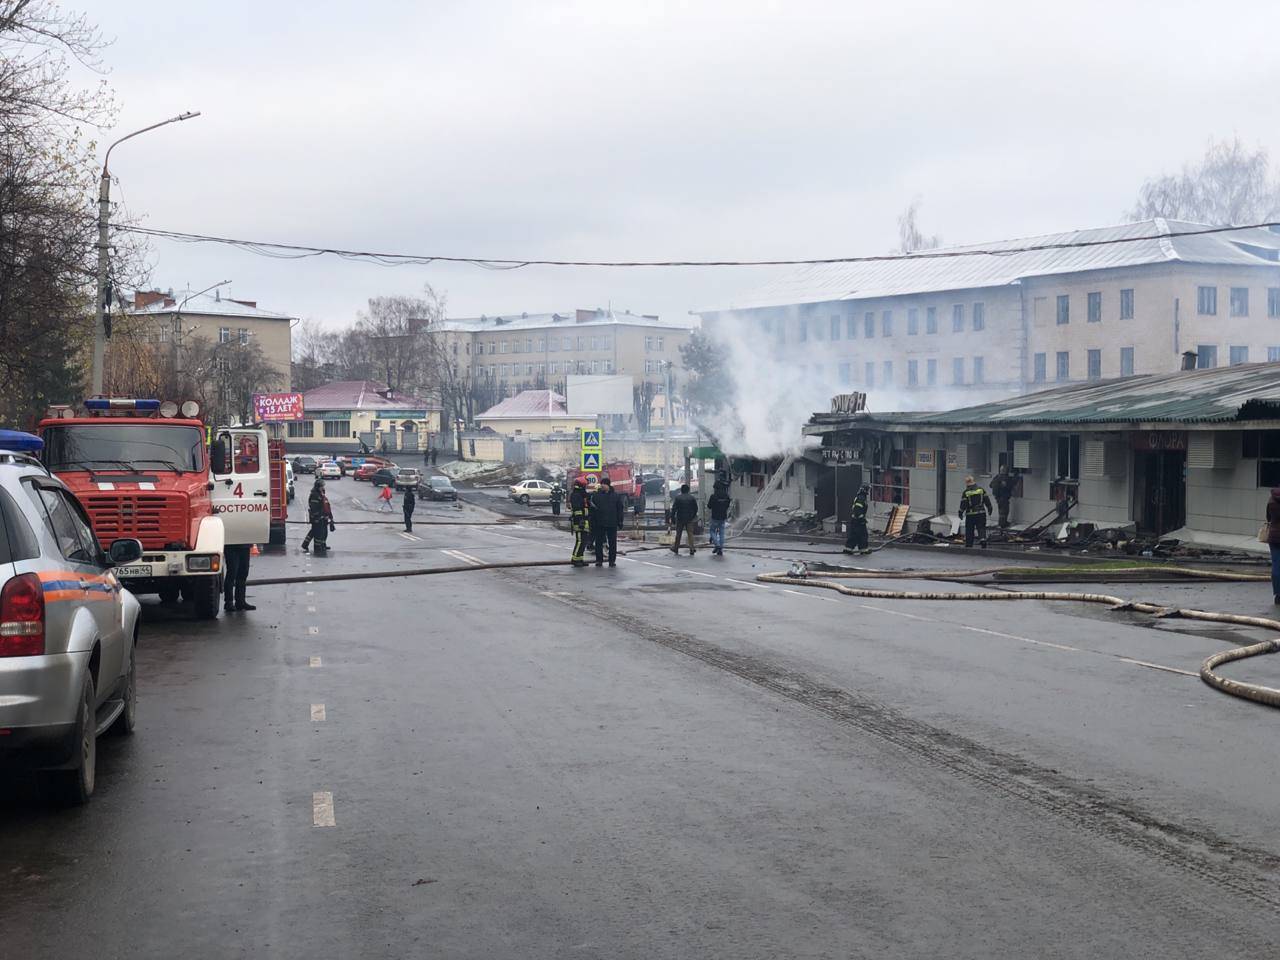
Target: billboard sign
point(277, 407)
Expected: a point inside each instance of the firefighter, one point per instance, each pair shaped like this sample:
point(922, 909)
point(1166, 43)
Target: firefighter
point(235, 575)
point(1002, 489)
point(975, 505)
point(320, 515)
point(410, 501)
point(578, 520)
point(856, 541)
point(557, 495)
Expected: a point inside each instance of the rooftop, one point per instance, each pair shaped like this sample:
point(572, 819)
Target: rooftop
point(569, 318)
point(1249, 391)
point(159, 303)
point(982, 265)
point(362, 395)
point(530, 405)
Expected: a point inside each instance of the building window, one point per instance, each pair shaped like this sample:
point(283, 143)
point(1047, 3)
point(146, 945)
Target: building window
point(608, 366)
point(1239, 301)
point(1265, 445)
point(1273, 354)
point(1064, 365)
point(1094, 305)
point(1038, 367)
point(979, 316)
point(528, 345)
point(660, 346)
point(871, 374)
point(566, 343)
point(835, 327)
point(845, 374)
point(337, 429)
point(957, 370)
point(1068, 459)
point(1126, 304)
point(542, 344)
point(1064, 309)
point(888, 373)
point(553, 344)
point(493, 346)
point(886, 323)
point(1094, 360)
point(1206, 356)
point(595, 343)
point(504, 347)
point(957, 318)
point(978, 369)
point(1273, 302)
point(931, 372)
point(869, 324)
point(224, 334)
point(913, 321)
point(555, 367)
point(850, 326)
point(648, 344)
point(1207, 301)
point(930, 319)
point(582, 343)
point(913, 373)
point(244, 336)
point(1126, 361)
point(803, 330)
point(1238, 355)
point(595, 366)
point(817, 328)
point(302, 428)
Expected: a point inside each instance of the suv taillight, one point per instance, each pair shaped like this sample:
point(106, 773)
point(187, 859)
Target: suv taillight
point(22, 617)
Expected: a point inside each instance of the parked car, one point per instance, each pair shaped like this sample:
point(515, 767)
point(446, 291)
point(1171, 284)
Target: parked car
point(407, 478)
point(288, 480)
point(384, 476)
point(527, 491)
point(329, 470)
point(365, 471)
point(437, 488)
point(305, 464)
point(68, 629)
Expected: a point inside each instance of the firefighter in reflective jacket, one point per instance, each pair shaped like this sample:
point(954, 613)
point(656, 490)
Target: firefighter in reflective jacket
point(856, 542)
point(578, 521)
point(975, 505)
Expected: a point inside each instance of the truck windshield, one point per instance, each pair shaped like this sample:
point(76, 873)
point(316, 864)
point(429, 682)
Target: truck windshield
point(123, 446)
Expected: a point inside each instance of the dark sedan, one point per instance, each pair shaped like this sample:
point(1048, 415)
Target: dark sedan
point(386, 477)
point(305, 464)
point(437, 488)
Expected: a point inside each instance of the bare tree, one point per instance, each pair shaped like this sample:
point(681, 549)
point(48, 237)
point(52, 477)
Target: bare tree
point(642, 403)
point(395, 329)
point(910, 237)
point(1230, 185)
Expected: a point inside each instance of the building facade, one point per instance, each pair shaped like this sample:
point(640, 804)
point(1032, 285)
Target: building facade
point(534, 413)
point(339, 417)
point(968, 324)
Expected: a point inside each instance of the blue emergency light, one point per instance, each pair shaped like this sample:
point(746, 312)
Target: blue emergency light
point(18, 442)
point(122, 403)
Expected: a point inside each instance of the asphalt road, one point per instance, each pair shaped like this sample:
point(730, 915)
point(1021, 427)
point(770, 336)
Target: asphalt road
point(666, 759)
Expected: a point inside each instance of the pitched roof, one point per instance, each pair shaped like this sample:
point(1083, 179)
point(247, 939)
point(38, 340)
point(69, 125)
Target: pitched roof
point(981, 265)
point(207, 304)
point(567, 319)
point(361, 395)
point(530, 405)
point(1249, 391)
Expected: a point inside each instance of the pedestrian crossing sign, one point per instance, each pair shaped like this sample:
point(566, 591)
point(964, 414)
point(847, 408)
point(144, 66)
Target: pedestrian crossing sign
point(590, 460)
point(591, 440)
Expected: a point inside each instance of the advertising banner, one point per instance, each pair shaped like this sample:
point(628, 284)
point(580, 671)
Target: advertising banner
point(277, 407)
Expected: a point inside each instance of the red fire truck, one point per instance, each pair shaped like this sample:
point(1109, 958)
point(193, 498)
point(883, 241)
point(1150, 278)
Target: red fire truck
point(148, 470)
point(622, 474)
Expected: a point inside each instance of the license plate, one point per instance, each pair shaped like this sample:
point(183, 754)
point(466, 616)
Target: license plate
point(125, 573)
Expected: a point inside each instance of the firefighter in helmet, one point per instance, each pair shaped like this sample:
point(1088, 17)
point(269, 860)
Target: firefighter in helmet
point(578, 520)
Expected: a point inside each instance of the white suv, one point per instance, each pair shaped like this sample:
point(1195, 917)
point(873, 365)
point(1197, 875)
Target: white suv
point(67, 628)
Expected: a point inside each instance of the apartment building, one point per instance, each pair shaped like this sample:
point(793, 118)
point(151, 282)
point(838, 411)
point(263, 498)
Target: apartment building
point(975, 323)
point(539, 351)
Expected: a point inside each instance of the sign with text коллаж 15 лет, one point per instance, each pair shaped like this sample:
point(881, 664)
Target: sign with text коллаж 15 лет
point(277, 407)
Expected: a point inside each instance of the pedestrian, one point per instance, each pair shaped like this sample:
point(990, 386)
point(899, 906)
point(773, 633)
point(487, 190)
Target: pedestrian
point(384, 498)
point(975, 505)
point(410, 501)
point(638, 505)
point(435, 455)
point(426, 457)
point(608, 517)
point(1273, 541)
point(320, 515)
point(557, 494)
point(856, 541)
point(578, 520)
point(1002, 486)
point(718, 505)
point(235, 573)
point(684, 515)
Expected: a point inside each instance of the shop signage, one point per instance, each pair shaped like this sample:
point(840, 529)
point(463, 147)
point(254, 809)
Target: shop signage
point(1160, 440)
point(277, 407)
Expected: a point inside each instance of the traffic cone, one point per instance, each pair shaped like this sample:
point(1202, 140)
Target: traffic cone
point(254, 551)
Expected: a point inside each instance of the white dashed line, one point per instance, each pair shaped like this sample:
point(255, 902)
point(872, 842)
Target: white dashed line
point(315, 661)
point(406, 536)
point(311, 609)
point(1012, 636)
point(699, 573)
point(810, 596)
point(313, 630)
point(311, 593)
point(896, 613)
point(322, 808)
point(317, 712)
point(503, 536)
point(1159, 666)
point(652, 564)
point(748, 583)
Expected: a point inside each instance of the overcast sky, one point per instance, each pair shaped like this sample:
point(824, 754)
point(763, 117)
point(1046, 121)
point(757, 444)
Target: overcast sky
point(643, 130)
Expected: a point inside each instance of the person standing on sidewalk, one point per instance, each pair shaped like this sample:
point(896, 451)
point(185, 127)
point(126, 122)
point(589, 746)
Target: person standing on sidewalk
point(608, 517)
point(719, 506)
point(557, 494)
point(975, 507)
point(410, 501)
point(236, 573)
point(856, 541)
point(578, 521)
point(1273, 541)
point(320, 514)
point(684, 514)
point(384, 499)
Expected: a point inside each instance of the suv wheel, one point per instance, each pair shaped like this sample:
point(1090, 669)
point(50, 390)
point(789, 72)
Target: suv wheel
point(73, 787)
point(128, 718)
point(208, 594)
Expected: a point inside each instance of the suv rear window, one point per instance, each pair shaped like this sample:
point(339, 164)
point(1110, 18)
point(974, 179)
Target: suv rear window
point(17, 539)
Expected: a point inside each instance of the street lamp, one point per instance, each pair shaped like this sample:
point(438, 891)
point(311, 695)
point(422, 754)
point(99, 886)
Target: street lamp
point(104, 215)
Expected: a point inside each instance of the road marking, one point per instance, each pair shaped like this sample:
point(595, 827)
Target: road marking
point(311, 593)
point(748, 583)
point(313, 630)
point(1012, 636)
point(896, 613)
point(662, 565)
point(315, 661)
point(322, 808)
point(464, 557)
point(502, 535)
point(1159, 666)
point(311, 609)
point(317, 712)
point(810, 596)
point(699, 573)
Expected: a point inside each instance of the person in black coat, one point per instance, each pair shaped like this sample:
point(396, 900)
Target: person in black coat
point(410, 501)
point(684, 514)
point(608, 512)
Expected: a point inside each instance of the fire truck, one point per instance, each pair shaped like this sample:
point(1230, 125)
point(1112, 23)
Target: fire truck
point(153, 471)
point(622, 474)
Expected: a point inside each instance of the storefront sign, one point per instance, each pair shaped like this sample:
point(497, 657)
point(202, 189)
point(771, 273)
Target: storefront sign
point(837, 455)
point(953, 461)
point(924, 458)
point(848, 403)
point(1160, 440)
point(277, 407)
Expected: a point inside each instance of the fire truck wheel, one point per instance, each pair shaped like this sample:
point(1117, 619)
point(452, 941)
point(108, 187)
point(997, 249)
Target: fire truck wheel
point(208, 596)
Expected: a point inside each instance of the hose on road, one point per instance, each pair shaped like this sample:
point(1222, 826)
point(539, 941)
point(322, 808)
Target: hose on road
point(1248, 691)
point(411, 572)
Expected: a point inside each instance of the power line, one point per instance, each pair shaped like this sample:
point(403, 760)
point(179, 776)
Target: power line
point(290, 251)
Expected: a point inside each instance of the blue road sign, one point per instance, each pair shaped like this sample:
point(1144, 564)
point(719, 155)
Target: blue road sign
point(590, 460)
point(591, 440)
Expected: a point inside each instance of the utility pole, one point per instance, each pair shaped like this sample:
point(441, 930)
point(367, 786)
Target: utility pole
point(104, 224)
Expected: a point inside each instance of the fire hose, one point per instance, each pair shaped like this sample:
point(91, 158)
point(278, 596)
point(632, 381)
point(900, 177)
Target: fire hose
point(799, 576)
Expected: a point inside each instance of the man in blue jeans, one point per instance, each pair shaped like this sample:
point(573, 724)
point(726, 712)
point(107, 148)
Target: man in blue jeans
point(719, 505)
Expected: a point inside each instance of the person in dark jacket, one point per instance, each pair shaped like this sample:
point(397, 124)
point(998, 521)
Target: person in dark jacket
point(320, 515)
point(719, 505)
point(684, 513)
point(557, 494)
point(607, 518)
point(1273, 541)
point(1002, 487)
point(975, 506)
point(410, 501)
point(235, 575)
point(856, 541)
point(578, 520)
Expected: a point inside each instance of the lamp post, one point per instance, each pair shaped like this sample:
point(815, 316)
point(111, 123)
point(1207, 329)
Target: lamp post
point(104, 218)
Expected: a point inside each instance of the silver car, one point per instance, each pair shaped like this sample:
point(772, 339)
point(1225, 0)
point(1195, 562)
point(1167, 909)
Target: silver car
point(67, 629)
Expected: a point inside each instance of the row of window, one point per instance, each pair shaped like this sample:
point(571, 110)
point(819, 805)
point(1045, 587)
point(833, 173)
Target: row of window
point(848, 327)
point(1093, 306)
point(550, 345)
point(1238, 301)
point(1062, 365)
point(554, 368)
point(333, 429)
point(224, 335)
point(919, 373)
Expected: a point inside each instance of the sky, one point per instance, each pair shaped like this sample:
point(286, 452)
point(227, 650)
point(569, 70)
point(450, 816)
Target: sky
point(647, 130)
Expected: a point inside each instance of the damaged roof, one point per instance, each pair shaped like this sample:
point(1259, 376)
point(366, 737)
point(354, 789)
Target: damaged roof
point(1249, 391)
point(982, 265)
